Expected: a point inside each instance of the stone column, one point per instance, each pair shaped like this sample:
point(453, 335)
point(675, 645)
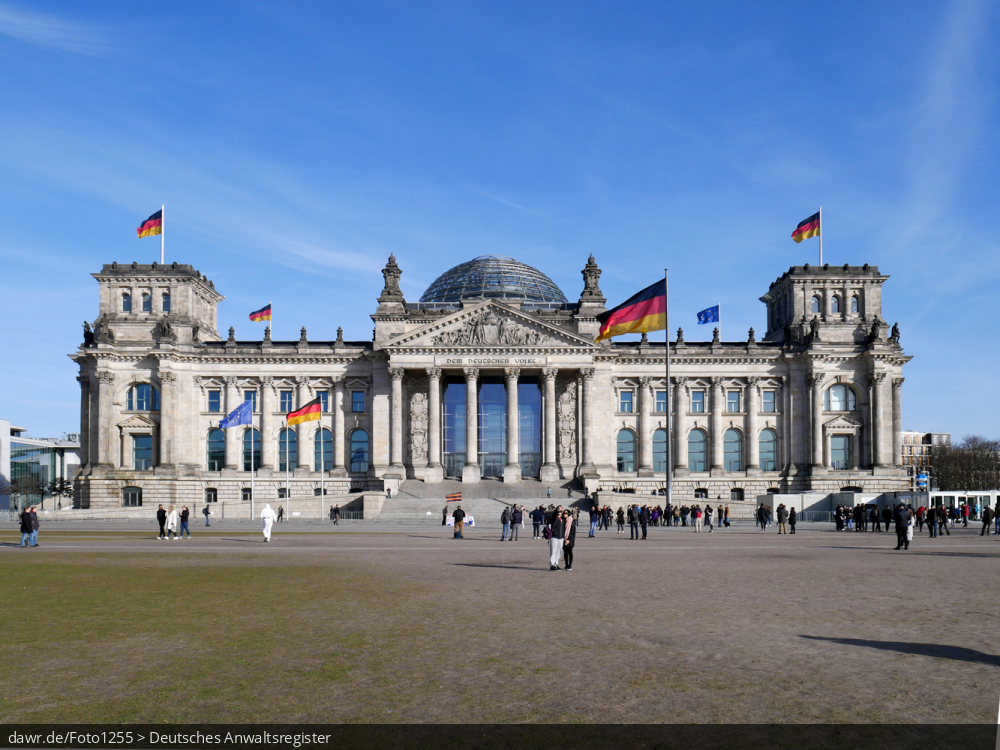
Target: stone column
point(471, 472)
point(267, 444)
point(167, 407)
point(815, 381)
point(897, 422)
point(105, 386)
point(339, 465)
point(84, 381)
point(680, 446)
point(550, 471)
point(878, 452)
point(855, 450)
point(396, 419)
point(716, 437)
point(434, 472)
point(232, 436)
point(645, 436)
point(753, 446)
point(512, 469)
point(586, 402)
point(305, 445)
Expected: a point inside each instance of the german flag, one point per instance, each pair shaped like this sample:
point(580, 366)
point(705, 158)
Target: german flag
point(308, 413)
point(454, 497)
point(263, 313)
point(806, 229)
point(643, 312)
point(151, 226)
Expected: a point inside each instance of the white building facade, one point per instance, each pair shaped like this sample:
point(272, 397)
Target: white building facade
point(495, 357)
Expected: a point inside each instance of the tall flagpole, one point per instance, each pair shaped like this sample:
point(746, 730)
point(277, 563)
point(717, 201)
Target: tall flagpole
point(252, 489)
point(163, 229)
point(288, 496)
point(719, 304)
point(322, 463)
point(669, 469)
point(821, 236)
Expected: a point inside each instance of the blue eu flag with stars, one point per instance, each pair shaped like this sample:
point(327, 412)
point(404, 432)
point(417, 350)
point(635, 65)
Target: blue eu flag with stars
point(709, 315)
point(242, 414)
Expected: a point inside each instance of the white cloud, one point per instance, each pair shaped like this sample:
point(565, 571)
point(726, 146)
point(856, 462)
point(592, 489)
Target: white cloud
point(52, 32)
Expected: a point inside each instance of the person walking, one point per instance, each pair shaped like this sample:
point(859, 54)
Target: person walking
point(25, 526)
point(792, 518)
point(281, 514)
point(459, 516)
point(516, 521)
point(556, 533)
point(336, 515)
point(942, 518)
point(886, 517)
point(708, 517)
point(762, 517)
point(161, 518)
point(987, 521)
point(569, 539)
point(505, 522)
point(782, 519)
point(184, 522)
point(903, 521)
point(173, 519)
point(33, 539)
point(965, 516)
point(267, 517)
point(206, 512)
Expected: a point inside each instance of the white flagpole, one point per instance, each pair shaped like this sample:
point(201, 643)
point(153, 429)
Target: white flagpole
point(322, 463)
point(163, 229)
point(720, 321)
point(821, 236)
point(666, 355)
point(251, 466)
point(288, 496)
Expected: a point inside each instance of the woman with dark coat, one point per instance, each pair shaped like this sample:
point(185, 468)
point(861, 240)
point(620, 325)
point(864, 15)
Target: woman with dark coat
point(569, 538)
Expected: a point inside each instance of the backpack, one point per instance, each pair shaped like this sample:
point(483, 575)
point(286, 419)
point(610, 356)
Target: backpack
point(547, 532)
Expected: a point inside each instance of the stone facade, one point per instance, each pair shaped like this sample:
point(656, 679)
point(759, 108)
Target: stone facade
point(814, 405)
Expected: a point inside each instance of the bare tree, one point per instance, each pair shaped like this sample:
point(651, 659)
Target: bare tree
point(973, 464)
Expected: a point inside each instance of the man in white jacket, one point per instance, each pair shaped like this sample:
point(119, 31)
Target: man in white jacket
point(268, 516)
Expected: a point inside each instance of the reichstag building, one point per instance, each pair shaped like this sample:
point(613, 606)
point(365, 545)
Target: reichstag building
point(492, 376)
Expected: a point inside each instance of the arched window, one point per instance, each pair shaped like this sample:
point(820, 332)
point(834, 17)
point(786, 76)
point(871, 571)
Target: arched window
point(251, 450)
point(288, 450)
point(126, 302)
point(166, 302)
point(660, 450)
point(855, 304)
point(147, 302)
point(835, 304)
point(626, 450)
point(216, 458)
point(359, 450)
point(768, 450)
point(697, 450)
point(142, 397)
point(839, 398)
point(323, 442)
point(733, 451)
point(131, 497)
point(815, 304)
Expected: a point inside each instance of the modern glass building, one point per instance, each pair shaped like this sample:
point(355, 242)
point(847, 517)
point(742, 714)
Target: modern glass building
point(29, 465)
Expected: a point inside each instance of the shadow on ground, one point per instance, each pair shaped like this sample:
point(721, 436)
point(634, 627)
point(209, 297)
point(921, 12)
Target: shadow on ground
point(941, 651)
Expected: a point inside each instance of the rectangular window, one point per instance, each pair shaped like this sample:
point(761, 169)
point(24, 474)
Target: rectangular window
point(357, 401)
point(661, 402)
point(215, 401)
point(166, 303)
point(733, 401)
point(698, 401)
point(769, 402)
point(211, 495)
point(251, 396)
point(840, 452)
point(324, 400)
point(625, 402)
point(142, 452)
point(286, 401)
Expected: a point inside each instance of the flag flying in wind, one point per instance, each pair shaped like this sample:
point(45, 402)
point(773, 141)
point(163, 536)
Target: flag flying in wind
point(641, 313)
point(454, 497)
point(263, 313)
point(307, 413)
point(709, 315)
point(807, 228)
point(242, 414)
point(151, 226)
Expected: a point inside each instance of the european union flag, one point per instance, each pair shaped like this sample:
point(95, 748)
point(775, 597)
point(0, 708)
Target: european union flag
point(710, 315)
point(242, 414)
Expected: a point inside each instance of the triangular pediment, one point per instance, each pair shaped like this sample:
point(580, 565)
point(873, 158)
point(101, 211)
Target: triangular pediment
point(842, 423)
point(137, 422)
point(490, 324)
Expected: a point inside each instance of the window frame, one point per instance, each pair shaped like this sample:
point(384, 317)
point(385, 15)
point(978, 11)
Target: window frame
point(134, 401)
point(816, 305)
point(835, 304)
point(703, 452)
point(695, 402)
point(626, 401)
point(220, 464)
point(147, 302)
point(144, 436)
point(214, 395)
point(660, 402)
point(126, 302)
point(251, 395)
point(286, 401)
point(133, 492)
point(729, 402)
point(855, 304)
point(773, 401)
point(165, 302)
point(367, 451)
point(730, 464)
point(774, 451)
point(356, 397)
point(211, 495)
point(324, 401)
point(624, 465)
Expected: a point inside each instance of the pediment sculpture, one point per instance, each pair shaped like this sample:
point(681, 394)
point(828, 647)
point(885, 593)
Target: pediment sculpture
point(486, 328)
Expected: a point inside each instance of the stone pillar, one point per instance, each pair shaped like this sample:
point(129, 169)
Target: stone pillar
point(167, 407)
point(105, 386)
point(878, 451)
point(815, 381)
point(512, 469)
point(753, 446)
point(267, 440)
point(305, 445)
point(339, 465)
point(716, 437)
point(434, 472)
point(586, 403)
point(645, 430)
point(232, 436)
point(84, 381)
point(550, 471)
point(680, 446)
point(471, 472)
point(396, 420)
point(897, 422)
point(855, 450)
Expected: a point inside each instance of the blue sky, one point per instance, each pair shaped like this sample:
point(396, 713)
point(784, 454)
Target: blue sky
point(296, 145)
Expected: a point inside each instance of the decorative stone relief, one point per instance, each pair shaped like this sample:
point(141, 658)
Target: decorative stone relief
point(416, 443)
point(486, 328)
point(566, 422)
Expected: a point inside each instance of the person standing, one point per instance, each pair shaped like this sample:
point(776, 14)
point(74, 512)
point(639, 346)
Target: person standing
point(336, 515)
point(965, 516)
point(184, 522)
point(987, 521)
point(444, 515)
point(620, 520)
point(25, 526)
point(569, 539)
point(696, 517)
point(633, 522)
point(161, 518)
point(594, 520)
point(537, 516)
point(557, 534)
point(782, 519)
point(516, 521)
point(708, 517)
point(173, 518)
point(726, 521)
point(762, 517)
point(903, 520)
point(792, 518)
point(459, 516)
point(267, 517)
point(644, 519)
point(206, 512)
point(33, 539)
point(886, 517)
point(505, 522)
point(942, 518)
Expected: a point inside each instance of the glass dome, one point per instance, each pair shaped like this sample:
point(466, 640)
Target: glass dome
point(493, 276)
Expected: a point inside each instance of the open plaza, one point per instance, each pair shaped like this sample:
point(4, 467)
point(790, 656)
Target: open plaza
point(388, 623)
